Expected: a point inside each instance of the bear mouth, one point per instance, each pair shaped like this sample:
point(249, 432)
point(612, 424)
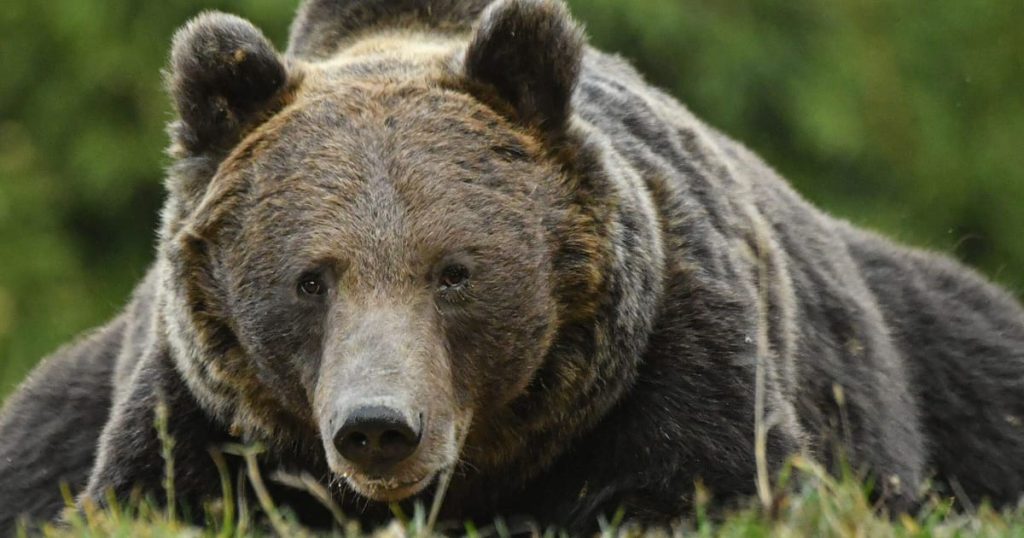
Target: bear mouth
point(388, 489)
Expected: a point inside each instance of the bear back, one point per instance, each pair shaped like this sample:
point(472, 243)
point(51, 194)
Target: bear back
point(321, 27)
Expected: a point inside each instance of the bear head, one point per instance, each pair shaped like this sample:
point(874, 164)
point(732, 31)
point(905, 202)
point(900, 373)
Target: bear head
point(364, 250)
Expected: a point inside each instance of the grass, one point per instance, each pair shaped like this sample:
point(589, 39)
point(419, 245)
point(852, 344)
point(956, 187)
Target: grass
point(805, 501)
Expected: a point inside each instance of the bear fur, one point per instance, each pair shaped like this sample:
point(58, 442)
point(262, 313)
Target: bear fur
point(627, 279)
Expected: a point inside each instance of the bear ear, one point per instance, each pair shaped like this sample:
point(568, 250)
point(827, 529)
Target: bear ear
point(530, 51)
point(223, 77)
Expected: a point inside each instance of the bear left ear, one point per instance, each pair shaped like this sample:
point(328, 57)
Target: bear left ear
point(224, 76)
point(530, 51)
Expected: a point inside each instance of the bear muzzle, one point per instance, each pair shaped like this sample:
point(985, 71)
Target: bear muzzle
point(379, 445)
point(387, 415)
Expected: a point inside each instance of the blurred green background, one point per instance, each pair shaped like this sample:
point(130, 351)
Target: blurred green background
point(901, 115)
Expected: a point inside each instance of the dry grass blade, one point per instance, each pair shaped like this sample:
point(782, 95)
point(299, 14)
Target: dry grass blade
point(446, 478)
point(764, 492)
point(256, 480)
point(243, 506)
point(167, 452)
point(228, 523)
point(435, 507)
point(310, 485)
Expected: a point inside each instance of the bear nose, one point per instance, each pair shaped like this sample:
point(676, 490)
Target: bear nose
point(375, 438)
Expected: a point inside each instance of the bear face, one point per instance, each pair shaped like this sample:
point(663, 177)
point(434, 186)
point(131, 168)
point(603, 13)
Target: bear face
point(388, 271)
point(369, 268)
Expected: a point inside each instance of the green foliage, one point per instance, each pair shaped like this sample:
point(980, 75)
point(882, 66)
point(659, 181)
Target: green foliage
point(82, 114)
point(902, 116)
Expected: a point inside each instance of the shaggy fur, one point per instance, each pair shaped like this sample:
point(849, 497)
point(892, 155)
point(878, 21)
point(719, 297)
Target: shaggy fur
point(628, 270)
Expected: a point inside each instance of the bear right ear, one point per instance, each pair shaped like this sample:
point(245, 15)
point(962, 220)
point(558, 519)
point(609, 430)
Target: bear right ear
point(225, 77)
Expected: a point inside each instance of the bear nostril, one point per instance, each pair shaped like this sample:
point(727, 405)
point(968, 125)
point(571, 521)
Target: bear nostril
point(398, 444)
point(392, 438)
point(374, 438)
point(358, 440)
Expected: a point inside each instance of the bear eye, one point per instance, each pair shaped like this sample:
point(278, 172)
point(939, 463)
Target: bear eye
point(311, 284)
point(453, 276)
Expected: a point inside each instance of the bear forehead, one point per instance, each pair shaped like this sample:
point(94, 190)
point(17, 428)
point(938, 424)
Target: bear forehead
point(363, 128)
point(342, 130)
point(392, 53)
point(372, 167)
point(378, 146)
point(426, 144)
point(386, 106)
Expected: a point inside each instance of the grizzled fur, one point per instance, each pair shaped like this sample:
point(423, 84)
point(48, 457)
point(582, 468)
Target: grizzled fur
point(629, 270)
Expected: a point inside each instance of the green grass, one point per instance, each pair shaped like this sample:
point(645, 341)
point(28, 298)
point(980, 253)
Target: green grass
point(805, 501)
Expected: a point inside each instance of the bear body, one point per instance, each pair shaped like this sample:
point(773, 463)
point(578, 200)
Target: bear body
point(550, 277)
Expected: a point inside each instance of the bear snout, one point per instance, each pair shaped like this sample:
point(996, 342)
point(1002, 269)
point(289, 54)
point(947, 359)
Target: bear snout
point(376, 438)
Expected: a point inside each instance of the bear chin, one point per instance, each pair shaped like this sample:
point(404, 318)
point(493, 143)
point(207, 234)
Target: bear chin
point(391, 489)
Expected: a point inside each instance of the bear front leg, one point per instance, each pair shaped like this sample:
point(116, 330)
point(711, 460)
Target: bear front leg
point(50, 427)
point(130, 455)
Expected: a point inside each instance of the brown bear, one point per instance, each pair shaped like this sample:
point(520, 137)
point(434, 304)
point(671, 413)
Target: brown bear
point(444, 237)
